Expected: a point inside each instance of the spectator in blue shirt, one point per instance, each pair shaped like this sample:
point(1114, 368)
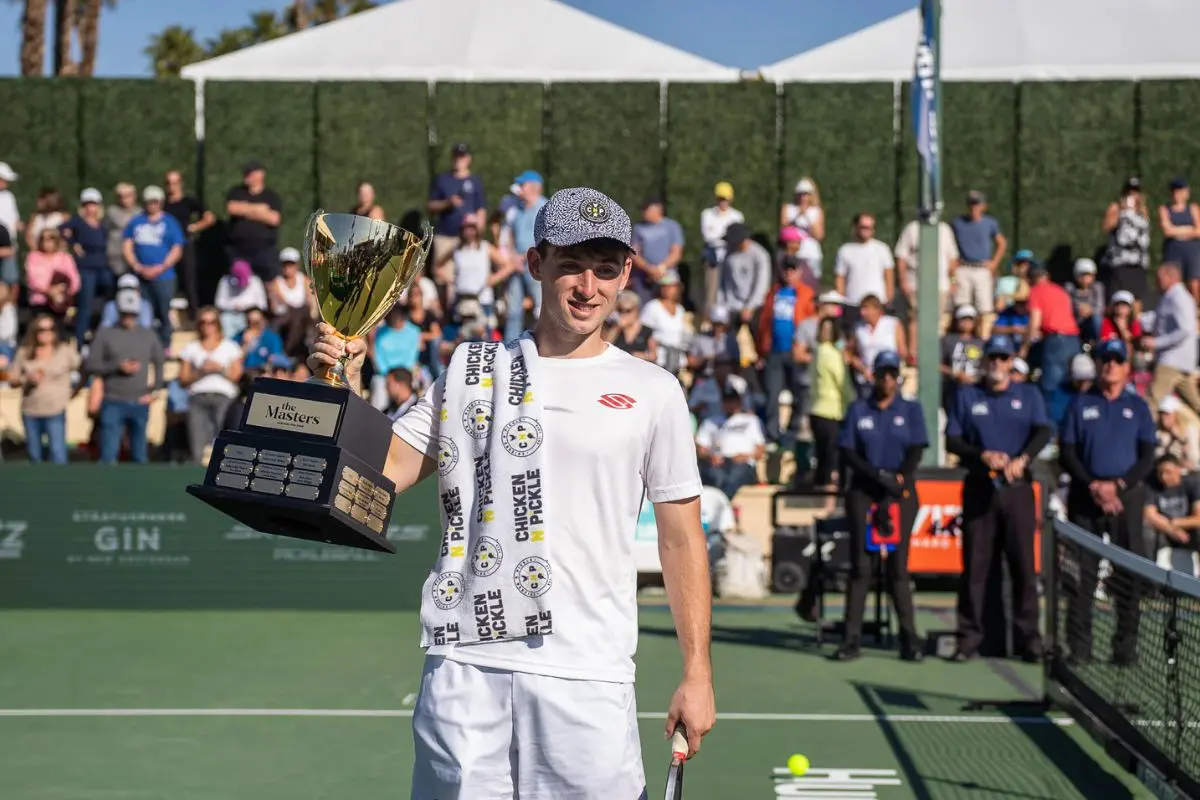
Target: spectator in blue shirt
point(657, 246)
point(981, 248)
point(453, 196)
point(519, 221)
point(87, 239)
point(397, 344)
point(153, 246)
point(259, 343)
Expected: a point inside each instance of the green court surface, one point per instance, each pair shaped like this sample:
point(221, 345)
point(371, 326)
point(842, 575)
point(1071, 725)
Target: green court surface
point(297, 705)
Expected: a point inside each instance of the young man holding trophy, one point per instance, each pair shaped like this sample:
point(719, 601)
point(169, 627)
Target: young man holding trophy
point(545, 448)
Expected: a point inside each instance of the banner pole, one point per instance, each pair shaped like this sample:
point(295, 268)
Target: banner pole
point(927, 111)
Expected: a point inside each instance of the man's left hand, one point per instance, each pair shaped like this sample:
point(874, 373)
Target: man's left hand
point(695, 708)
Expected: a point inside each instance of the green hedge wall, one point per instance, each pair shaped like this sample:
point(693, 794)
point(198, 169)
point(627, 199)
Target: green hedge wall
point(504, 124)
point(377, 132)
point(842, 137)
point(1075, 147)
point(135, 131)
point(606, 136)
point(39, 137)
point(1169, 143)
point(275, 123)
point(721, 132)
point(979, 130)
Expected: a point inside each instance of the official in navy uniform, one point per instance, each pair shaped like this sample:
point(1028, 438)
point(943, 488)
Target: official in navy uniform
point(1107, 449)
point(881, 440)
point(996, 429)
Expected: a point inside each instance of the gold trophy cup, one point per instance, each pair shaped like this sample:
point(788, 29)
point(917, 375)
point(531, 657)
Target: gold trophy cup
point(307, 459)
point(359, 267)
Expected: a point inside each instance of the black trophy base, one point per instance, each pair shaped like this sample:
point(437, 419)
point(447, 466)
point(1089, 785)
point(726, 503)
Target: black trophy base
point(298, 489)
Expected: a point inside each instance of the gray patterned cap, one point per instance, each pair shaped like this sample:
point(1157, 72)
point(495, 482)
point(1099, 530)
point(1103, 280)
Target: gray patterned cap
point(577, 215)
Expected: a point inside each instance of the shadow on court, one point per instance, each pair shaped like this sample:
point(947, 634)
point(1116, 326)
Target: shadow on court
point(1001, 761)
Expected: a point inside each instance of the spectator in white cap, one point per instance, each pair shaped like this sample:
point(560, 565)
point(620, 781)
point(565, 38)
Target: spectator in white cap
point(153, 246)
point(293, 306)
point(717, 340)
point(1087, 300)
point(1177, 436)
point(805, 212)
point(127, 284)
point(962, 354)
point(665, 316)
point(87, 241)
point(1020, 370)
point(1120, 322)
point(10, 220)
point(1082, 376)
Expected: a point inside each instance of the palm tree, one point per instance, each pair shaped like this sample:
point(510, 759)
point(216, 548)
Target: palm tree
point(33, 38)
point(264, 26)
point(87, 23)
point(65, 12)
point(172, 50)
point(230, 40)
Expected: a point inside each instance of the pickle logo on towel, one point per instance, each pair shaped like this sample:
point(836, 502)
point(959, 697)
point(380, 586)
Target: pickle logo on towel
point(447, 455)
point(448, 590)
point(522, 437)
point(532, 577)
point(477, 418)
point(487, 557)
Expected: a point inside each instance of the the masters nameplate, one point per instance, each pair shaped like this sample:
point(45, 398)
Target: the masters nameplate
point(292, 414)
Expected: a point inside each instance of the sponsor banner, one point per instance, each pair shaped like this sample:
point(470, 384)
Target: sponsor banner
point(935, 546)
point(128, 537)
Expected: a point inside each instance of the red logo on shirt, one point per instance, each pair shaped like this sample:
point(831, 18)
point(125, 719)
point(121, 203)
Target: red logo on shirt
point(617, 401)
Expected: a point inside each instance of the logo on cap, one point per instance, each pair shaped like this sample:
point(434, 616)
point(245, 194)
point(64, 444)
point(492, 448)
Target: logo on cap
point(594, 211)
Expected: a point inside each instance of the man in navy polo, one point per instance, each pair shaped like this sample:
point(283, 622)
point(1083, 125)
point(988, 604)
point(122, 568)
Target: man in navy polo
point(1107, 449)
point(995, 429)
point(882, 439)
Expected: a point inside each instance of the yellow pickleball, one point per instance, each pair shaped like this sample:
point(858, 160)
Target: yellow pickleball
point(798, 764)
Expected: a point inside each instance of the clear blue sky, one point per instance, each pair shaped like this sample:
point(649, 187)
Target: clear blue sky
point(738, 33)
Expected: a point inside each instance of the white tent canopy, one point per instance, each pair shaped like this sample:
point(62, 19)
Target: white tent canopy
point(1018, 40)
point(464, 40)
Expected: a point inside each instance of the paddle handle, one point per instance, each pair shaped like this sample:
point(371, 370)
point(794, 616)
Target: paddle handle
point(679, 743)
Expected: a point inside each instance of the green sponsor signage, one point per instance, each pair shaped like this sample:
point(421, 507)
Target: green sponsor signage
point(130, 537)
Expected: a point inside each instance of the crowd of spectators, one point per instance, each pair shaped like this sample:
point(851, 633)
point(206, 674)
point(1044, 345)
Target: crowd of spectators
point(781, 339)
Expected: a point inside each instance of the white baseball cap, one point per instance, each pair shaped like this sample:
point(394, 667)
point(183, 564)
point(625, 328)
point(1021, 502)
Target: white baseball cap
point(1169, 405)
point(90, 195)
point(719, 315)
point(1085, 266)
point(1123, 296)
point(152, 193)
point(129, 301)
point(832, 297)
point(1020, 367)
point(6, 172)
point(1083, 368)
point(805, 186)
point(128, 281)
point(966, 311)
point(289, 255)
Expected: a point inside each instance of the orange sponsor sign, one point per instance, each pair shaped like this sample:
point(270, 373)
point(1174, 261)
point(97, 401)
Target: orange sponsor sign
point(935, 543)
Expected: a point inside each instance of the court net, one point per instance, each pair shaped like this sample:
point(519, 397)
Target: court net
point(1124, 656)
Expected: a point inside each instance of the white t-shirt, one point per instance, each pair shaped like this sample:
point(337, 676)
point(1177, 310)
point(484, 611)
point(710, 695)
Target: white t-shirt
point(231, 297)
point(604, 461)
point(472, 269)
point(714, 223)
point(908, 248)
point(9, 215)
point(669, 329)
point(225, 354)
point(739, 435)
point(804, 221)
point(863, 265)
point(870, 342)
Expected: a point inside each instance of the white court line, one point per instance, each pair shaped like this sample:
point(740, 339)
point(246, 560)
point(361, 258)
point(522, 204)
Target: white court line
point(382, 712)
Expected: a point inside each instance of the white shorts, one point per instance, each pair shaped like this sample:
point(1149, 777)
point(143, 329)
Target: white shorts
point(487, 734)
